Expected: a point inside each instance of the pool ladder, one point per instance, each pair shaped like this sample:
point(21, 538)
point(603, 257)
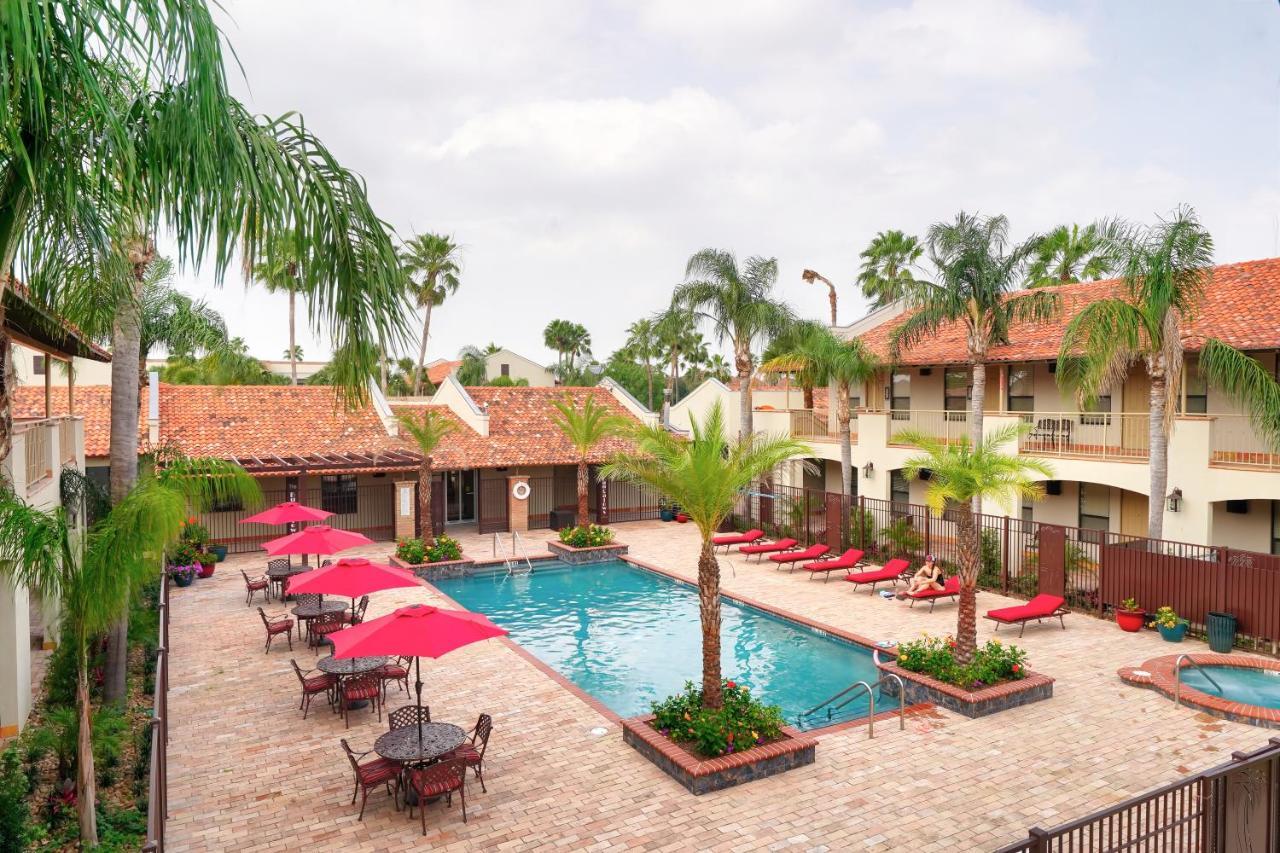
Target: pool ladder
point(854, 691)
point(1177, 677)
point(513, 558)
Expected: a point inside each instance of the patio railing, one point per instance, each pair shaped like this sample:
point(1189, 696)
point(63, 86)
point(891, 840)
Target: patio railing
point(1234, 444)
point(1234, 806)
point(1094, 435)
point(67, 439)
point(158, 781)
point(947, 425)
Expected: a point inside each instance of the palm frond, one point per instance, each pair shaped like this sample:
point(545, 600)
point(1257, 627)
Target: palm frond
point(1248, 383)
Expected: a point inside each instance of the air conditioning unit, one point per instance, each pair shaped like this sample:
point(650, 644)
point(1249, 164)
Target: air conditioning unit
point(1053, 487)
point(1238, 507)
point(926, 371)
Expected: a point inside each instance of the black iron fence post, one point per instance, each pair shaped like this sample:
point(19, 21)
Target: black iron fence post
point(1004, 559)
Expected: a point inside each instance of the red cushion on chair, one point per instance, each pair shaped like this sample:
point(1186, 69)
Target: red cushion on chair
point(1038, 607)
point(737, 538)
point(280, 627)
point(434, 781)
point(377, 771)
point(466, 752)
point(951, 587)
point(327, 627)
point(316, 683)
point(359, 689)
point(392, 671)
point(262, 584)
point(796, 556)
point(847, 560)
point(780, 545)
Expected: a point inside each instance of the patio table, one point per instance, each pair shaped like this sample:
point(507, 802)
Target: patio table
point(280, 576)
point(346, 667)
point(311, 611)
point(403, 746)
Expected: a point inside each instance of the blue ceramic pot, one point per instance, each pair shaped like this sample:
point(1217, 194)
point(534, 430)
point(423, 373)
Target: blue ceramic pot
point(1174, 634)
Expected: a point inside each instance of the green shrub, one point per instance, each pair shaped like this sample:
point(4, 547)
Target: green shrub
point(415, 552)
point(989, 573)
point(194, 532)
point(862, 529)
point(411, 551)
point(15, 816)
point(902, 539)
point(184, 554)
point(741, 723)
point(445, 548)
point(60, 677)
point(935, 656)
point(586, 536)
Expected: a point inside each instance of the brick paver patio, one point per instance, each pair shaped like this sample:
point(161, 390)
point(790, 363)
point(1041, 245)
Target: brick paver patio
point(248, 773)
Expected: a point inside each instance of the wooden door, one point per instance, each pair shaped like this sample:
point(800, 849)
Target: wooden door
point(1133, 513)
point(1135, 399)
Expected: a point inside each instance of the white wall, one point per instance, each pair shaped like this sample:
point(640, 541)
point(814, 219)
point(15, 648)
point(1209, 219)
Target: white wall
point(1250, 531)
point(518, 367)
point(87, 372)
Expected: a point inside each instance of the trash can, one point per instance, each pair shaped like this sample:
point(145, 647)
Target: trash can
point(1222, 632)
point(561, 518)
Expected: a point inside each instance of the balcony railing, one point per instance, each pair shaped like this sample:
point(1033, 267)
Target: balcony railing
point(1234, 444)
point(67, 439)
point(1090, 435)
point(948, 426)
point(805, 423)
point(37, 438)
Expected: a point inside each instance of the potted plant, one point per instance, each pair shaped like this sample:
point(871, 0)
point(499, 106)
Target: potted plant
point(666, 511)
point(1170, 625)
point(184, 575)
point(1129, 616)
point(207, 563)
point(218, 551)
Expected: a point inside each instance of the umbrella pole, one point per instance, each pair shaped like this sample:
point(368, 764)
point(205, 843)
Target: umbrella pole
point(417, 665)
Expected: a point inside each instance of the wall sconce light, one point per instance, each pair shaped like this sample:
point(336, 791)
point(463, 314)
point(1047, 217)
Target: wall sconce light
point(868, 471)
point(1174, 501)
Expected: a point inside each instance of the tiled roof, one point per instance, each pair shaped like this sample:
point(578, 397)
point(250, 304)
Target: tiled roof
point(438, 372)
point(521, 429)
point(1241, 307)
point(93, 403)
point(31, 322)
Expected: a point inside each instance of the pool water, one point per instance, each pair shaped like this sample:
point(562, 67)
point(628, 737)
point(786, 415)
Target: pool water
point(628, 637)
point(1239, 684)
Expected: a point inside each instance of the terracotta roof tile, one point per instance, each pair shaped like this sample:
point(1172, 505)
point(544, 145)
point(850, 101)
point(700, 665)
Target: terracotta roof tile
point(93, 403)
point(438, 372)
point(1241, 307)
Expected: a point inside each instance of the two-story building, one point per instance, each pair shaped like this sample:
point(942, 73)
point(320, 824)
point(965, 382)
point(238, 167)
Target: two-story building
point(1227, 480)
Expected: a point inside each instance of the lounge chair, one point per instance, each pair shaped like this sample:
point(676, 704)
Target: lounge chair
point(725, 540)
point(848, 560)
point(892, 571)
point(950, 589)
point(792, 557)
point(768, 547)
point(1039, 608)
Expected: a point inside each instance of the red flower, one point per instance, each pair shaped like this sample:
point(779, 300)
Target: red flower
point(730, 685)
point(1017, 667)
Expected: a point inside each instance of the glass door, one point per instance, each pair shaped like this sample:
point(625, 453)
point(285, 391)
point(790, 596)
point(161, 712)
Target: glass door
point(460, 496)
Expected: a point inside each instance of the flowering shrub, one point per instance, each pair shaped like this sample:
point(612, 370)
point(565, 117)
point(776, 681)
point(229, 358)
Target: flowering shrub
point(991, 664)
point(586, 536)
point(741, 723)
point(185, 574)
point(184, 554)
point(446, 548)
point(412, 551)
point(194, 532)
point(415, 552)
point(1167, 617)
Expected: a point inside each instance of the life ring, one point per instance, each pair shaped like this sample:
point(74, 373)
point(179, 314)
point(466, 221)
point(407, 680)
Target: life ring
point(520, 491)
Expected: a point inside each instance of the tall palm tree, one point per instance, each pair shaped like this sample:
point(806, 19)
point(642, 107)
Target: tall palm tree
point(426, 430)
point(585, 426)
point(962, 474)
point(173, 320)
point(294, 353)
point(431, 264)
point(740, 305)
point(674, 329)
point(705, 474)
point(886, 267)
point(827, 358)
point(569, 340)
point(1068, 254)
point(812, 276)
point(642, 343)
point(278, 273)
point(718, 368)
point(91, 573)
point(978, 272)
point(1165, 269)
point(781, 355)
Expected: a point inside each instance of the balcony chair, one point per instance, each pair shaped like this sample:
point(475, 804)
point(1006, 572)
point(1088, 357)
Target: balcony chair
point(262, 584)
point(313, 685)
point(371, 774)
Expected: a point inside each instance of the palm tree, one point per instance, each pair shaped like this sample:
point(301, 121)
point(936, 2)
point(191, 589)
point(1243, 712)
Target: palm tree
point(427, 431)
point(431, 265)
point(278, 273)
point(718, 368)
point(740, 305)
point(1165, 269)
point(780, 356)
point(827, 358)
point(978, 273)
point(569, 340)
point(886, 267)
point(585, 426)
point(961, 475)
point(173, 320)
point(705, 474)
point(674, 329)
point(294, 353)
point(811, 276)
point(92, 573)
point(642, 343)
point(474, 369)
point(1068, 254)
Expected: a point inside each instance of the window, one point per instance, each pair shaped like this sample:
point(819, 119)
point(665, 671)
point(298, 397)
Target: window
point(1028, 509)
point(506, 370)
point(901, 399)
point(1197, 392)
point(1097, 413)
point(1275, 527)
point(956, 392)
point(338, 493)
point(38, 363)
point(1095, 507)
point(899, 488)
point(1021, 390)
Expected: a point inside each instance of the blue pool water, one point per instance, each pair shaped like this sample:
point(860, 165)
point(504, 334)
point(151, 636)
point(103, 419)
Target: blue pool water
point(628, 636)
point(1239, 684)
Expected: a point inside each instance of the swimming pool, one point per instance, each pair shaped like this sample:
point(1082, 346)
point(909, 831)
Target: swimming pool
point(1248, 686)
point(628, 636)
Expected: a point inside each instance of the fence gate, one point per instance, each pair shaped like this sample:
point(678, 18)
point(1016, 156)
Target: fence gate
point(1052, 560)
point(491, 517)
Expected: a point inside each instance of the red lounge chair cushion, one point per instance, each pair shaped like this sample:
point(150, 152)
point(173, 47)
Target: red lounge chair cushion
point(1037, 608)
point(737, 538)
point(891, 570)
point(780, 545)
point(807, 554)
point(951, 587)
point(847, 560)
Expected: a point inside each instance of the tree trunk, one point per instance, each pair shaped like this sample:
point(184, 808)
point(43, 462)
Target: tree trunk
point(746, 370)
point(583, 518)
point(382, 372)
point(648, 370)
point(125, 381)
point(86, 776)
point(709, 612)
point(807, 388)
point(420, 364)
point(967, 624)
point(977, 406)
point(293, 349)
point(846, 441)
point(426, 526)
point(1158, 442)
point(831, 296)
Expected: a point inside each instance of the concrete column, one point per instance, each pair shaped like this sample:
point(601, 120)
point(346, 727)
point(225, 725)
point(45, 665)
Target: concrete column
point(517, 508)
point(1189, 454)
point(406, 499)
point(15, 657)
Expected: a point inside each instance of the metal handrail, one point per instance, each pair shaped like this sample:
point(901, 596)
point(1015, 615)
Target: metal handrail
point(1177, 677)
point(518, 551)
point(852, 692)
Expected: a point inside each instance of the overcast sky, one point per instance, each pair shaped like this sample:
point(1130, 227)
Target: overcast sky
point(581, 151)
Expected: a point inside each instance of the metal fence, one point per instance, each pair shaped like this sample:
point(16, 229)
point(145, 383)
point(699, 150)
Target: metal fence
point(631, 501)
point(492, 515)
point(158, 776)
point(1231, 807)
point(1097, 435)
point(541, 502)
point(371, 511)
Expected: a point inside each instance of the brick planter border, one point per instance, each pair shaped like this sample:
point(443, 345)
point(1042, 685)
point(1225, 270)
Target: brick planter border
point(701, 775)
point(432, 571)
point(1158, 674)
point(582, 556)
point(971, 703)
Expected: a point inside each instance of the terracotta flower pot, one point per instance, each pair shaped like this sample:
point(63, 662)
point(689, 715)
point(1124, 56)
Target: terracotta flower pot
point(1130, 620)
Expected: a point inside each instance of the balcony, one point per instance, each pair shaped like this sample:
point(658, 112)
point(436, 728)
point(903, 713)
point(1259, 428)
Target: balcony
point(809, 425)
point(947, 426)
point(38, 446)
point(1117, 436)
point(1234, 444)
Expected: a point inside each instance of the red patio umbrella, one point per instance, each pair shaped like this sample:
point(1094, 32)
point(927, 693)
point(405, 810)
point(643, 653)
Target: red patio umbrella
point(288, 512)
point(350, 577)
point(419, 630)
point(317, 539)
